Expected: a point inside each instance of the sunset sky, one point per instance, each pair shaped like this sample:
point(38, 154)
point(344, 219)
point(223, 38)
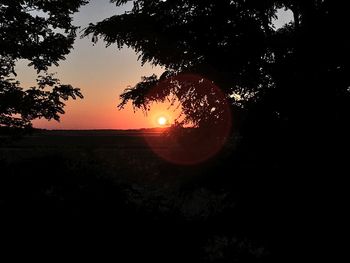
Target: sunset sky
point(102, 74)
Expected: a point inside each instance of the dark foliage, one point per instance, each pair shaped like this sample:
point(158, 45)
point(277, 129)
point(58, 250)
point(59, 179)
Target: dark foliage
point(290, 91)
point(41, 32)
point(283, 77)
point(288, 87)
point(78, 206)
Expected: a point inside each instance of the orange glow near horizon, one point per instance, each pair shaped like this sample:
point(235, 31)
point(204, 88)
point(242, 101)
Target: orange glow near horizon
point(102, 74)
point(162, 116)
point(162, 121)
point(86, 114)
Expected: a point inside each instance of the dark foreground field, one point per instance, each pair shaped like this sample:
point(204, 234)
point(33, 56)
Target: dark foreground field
point(107, 191)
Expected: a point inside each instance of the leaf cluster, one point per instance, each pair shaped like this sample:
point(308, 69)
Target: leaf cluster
point(40, 31)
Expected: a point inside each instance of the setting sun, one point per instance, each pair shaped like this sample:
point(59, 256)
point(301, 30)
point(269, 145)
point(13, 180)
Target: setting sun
point(162, 121)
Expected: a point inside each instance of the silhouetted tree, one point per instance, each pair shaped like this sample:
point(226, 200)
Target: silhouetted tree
point(292, 86)
point(284, 76)
point(41, 32)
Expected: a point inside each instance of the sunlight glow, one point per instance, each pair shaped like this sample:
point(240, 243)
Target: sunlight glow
point(162, 121)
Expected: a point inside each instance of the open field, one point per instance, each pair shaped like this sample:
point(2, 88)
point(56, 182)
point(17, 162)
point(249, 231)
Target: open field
point(112, 180)
point(118, 153)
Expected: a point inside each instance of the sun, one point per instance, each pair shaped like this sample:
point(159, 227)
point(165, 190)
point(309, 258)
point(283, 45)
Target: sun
point(162, 121)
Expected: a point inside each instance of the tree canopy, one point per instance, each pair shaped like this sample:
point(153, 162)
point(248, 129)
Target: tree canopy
point(40, 31)
point(284, 73)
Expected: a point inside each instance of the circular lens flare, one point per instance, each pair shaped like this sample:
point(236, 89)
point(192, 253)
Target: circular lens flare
point(193, 145)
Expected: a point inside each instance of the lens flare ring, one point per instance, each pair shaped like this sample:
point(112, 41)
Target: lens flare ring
point(191, 146)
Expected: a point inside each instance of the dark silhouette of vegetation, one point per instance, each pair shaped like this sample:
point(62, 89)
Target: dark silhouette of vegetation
point(74, 198)
point(42, 33)
point(280, 77)
point(288, 88)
